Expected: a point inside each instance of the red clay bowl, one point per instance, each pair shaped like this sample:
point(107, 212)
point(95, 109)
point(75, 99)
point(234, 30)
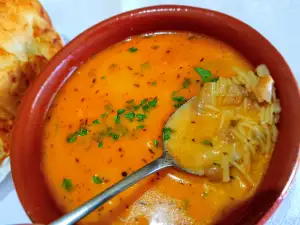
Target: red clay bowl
point(28, 130)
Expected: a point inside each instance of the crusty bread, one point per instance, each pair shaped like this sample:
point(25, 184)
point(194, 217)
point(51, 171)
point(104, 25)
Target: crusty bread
point(27, 41)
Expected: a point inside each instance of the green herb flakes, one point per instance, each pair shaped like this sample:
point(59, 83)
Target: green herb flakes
point(97, 179)
point(132, 49)
point(167, 133)
point(120, 111)
point(129, 116)
point(100, 144)
point(152, 103)
point(143, 102)
point(146, 107)
point(206, 75)
point(82, 132)
point(67, 184)
point(96, 121)
point(117, 119)
point(141, 117)
point(207, 142)
point(140, 127)
point(103, 77)
point(156, 143)
point(153, 83)
point(186, 83)
point(178, 105)
point(114, 136)
point(72, 138)
point(215, 79)
point(179, 100)
point(103, 115)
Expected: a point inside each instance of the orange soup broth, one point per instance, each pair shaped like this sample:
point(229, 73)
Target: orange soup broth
point(157, 68)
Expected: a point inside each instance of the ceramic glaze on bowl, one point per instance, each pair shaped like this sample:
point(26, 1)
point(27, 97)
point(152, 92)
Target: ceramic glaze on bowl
point(28, 136)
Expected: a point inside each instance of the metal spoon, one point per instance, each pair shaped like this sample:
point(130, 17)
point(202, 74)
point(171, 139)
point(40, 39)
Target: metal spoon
point(162, 162)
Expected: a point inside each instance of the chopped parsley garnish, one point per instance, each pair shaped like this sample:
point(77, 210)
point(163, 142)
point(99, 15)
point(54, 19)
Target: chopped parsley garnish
point(100, 144)
point(153, 83)
point(120, 111)
point(153, 103)
point(205, 75)
point(96, 121)
point(143, 102)
point(156, 143)
point(141, 117)
point(82, 132)
point(67, 184)
point(72, 138)
point(215, 79)
point(129, 116)
point(140, 127)
point(97, 179)
point(132, 49)
point(167, 133)
point(180, 100)
point(178, 105)
point(146, 107)
point(186, 83)
point(117, 119)
point(103, 77)
point(114, 136)
point(207, 142)
point(103, 115)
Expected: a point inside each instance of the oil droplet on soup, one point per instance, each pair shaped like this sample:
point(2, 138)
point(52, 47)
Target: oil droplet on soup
point(106, 122)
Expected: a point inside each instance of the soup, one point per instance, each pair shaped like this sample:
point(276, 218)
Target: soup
point(107, 120)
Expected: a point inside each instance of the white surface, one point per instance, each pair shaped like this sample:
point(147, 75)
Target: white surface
point(277, 20)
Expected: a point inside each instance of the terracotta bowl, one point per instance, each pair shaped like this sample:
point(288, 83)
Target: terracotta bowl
point(28, 130)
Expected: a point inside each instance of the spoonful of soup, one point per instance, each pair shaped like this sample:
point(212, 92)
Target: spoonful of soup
point(173, 156)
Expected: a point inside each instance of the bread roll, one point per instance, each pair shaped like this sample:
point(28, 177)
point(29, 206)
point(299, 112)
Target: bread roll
point(27, 42)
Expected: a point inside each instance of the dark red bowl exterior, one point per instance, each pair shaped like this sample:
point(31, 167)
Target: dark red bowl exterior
point(27, 135)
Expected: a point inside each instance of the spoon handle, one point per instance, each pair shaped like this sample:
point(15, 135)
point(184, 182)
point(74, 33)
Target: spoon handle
point(85, 209)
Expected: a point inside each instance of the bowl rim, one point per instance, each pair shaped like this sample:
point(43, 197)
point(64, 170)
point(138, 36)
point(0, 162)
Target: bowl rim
point(64, 53)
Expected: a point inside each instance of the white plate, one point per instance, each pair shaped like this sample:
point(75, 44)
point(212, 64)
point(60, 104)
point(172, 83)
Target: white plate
point(4, 169)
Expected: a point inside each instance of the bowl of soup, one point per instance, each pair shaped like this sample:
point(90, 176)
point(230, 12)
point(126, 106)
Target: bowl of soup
point(98, 110)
